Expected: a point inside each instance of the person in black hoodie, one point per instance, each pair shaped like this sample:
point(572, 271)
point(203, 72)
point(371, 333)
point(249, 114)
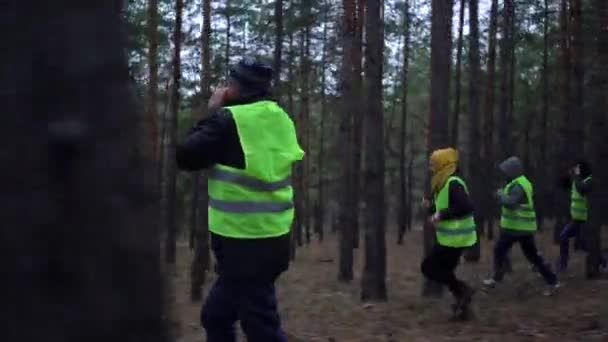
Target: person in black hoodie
point(246, 141)
point(451, 213)
point(581, 184)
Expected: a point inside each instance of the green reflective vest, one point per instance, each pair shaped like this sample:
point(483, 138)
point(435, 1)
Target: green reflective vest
point(522, 218)
point(256, 202)
point(456, 232)
point(578, 203)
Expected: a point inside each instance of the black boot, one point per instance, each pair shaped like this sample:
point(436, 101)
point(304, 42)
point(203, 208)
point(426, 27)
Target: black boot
point(460, 309)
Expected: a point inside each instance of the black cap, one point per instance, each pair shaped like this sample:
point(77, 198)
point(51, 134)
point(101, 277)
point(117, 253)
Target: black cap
point(252, 73)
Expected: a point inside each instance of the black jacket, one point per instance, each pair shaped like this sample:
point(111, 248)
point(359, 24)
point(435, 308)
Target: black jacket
point(214, 140)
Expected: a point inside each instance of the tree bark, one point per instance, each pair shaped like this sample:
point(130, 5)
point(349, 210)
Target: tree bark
point(152, 29)
point(489, 209)
point(345, 220)
point(79, 199)
point(201, 261)
point(458, 86)
point(228, 14)
point(441, 41)
point(278, 46)
point(599, 197)
point(474, 254)
point(320, 207)
point(505, 141)
point(373, 280)
point(403, 190)
point(171, 169)
point(543, 185)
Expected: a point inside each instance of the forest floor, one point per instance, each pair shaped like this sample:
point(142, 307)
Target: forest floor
point(315, 307)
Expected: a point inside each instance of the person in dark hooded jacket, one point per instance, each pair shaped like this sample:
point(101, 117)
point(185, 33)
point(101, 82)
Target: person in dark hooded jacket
point(581, 183)
point(249, 144)
point(518, 224)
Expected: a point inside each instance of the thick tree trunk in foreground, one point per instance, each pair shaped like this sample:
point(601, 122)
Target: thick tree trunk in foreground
point(441, 41)
point(79, 198)
point(373, 279)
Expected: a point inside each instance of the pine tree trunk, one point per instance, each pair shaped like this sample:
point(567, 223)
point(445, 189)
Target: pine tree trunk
point(457, 89)
point(152, 28)
point(357, 121)
point(171, 215)
point(373, 279)
point(562, 164)
point(228, 14)
point(320, 207)
point(505, 141)
point(306, 70)
point(488, 207)
point(278, 47)
point(403, 190)
point(201, 261)
point(599, 197)
point(543, 184)
point(86, 228)
point(441, 41)
point(345, 220)
point(475, 176)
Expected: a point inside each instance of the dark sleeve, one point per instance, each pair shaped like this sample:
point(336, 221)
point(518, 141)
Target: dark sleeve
point(213, 140)
point(583, 187)
point(515, 197)
point(459, 203)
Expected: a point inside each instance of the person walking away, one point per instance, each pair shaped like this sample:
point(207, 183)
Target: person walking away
point(452, 216)
point(249, 144)
point(581, 186)
point(518, 224)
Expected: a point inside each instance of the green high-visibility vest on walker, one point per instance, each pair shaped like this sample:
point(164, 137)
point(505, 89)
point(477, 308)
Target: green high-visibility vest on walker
point(256, 202)
point(457, 233)
point(523, 217)
point(579, 208)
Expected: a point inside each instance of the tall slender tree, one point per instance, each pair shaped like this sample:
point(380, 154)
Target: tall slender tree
point(403, 191)
point(171, 195)
point(345, 220)
point(373, 280)
point(488, 125)
point(474, 118)
point(506, 46)
point(441, 41)
point(458, 85)
point(278, 46)
point(320, 205)
point(201, 260)
point(152, 28)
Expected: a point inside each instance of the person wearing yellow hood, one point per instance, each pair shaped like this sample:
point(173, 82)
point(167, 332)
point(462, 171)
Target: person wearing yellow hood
point(451, 213)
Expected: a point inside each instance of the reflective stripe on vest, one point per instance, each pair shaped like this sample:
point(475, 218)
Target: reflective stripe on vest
point(456, 232)
point(256, 202)
point(523, 217)
point(579, 209)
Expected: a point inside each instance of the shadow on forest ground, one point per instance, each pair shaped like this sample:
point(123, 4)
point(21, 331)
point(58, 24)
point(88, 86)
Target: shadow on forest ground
point(315, 307)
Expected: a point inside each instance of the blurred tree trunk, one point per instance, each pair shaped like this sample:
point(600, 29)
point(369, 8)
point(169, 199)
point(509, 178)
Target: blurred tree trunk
point(201, 261)
point(296, 232)
point(562, 163)
point(228, 15)
point(79, 199)
point(171, 214)
point(152, 31)
point(458, 86)
point(320, 206)
point(441, 41)
point(506, 46)
point(599, 197)
point(543, 210)
point(488, 207)
point(474, 254)
point(305, 122)
point(404, 204)
point(357, 120)
point(373, 279)
point(345, 219)
point(278, 47)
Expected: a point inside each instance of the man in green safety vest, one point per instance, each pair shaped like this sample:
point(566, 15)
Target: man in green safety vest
point(249, 144)
point(518, 224)
point(580, 188)
point(452, 215)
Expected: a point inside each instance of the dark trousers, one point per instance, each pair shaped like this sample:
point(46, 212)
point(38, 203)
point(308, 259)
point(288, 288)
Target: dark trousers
point(440, 265)
point(570, 231)
point(528, 247)
point(254, 305)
